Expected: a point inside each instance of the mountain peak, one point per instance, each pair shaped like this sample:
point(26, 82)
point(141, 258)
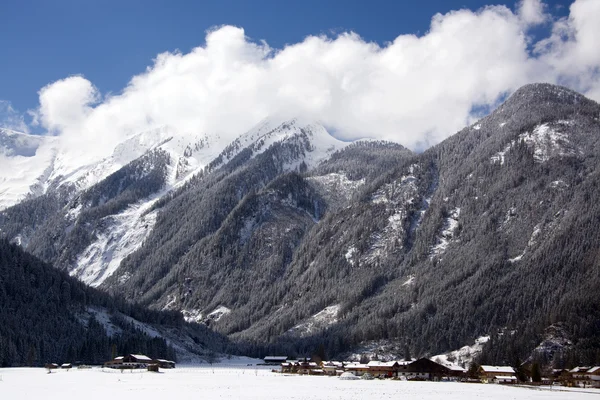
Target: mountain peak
point(546, 92)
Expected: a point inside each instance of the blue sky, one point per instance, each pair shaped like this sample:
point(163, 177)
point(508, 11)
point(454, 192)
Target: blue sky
point(109, 41)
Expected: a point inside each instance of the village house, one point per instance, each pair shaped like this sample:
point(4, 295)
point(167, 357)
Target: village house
point(288, 367)
point(593, 375)
point(383, 369)
point(357, 368)
point(130, 361)
point(456, 373)
point(495, 374)
point(332, 368)
point(424, 368)
point(309, 368)
point(584, 377)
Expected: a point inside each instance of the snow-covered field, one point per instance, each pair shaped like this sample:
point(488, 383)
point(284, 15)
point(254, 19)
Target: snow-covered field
point(244, 382)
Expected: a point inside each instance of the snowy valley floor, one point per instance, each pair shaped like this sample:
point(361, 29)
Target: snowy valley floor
point(243, 382)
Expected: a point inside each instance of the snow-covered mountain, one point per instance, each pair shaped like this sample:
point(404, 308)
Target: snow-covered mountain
point(162, 159)
point(307, 241)
point(24, 159)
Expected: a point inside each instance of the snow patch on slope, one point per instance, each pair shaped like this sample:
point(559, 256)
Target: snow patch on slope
point(320, 320)
point(396, 197)
point(192, 315)
point(123, 234)
point(447, 234)
point(547, 140)
point(338, 183)
point(532, 241)
point(218, 313)
point(463, 356)
point(409, 281)
point(103, 317)
point(350, 254)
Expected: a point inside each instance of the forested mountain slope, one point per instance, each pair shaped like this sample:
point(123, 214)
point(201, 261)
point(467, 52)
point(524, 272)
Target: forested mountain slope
point(294, 240)
point(48, 316)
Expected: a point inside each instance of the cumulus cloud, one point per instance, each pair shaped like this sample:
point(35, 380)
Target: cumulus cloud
point(415, 90)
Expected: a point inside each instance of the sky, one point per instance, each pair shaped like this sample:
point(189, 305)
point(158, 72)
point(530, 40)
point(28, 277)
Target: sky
point(94, 72)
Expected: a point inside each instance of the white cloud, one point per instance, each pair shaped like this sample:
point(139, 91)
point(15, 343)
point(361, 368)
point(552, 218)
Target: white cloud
point(415, 90)
point(66, 104)
point(532, 12)
point(10, 118)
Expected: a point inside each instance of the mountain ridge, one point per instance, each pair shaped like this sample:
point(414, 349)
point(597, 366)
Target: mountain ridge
point(433, 249)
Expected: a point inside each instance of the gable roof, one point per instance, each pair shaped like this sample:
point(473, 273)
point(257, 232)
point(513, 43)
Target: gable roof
point(382, 363)
point(496, 369)
point(141, 357)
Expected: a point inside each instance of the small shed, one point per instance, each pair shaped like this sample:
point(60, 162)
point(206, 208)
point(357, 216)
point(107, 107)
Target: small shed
point(167, 364)
point(66, 366)
point(153, 367)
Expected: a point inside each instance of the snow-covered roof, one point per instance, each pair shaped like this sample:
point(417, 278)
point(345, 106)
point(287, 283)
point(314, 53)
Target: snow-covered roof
point(593, 370)
point(456, 368)
point(275, 358)
point(382, 363)
point(119, 358)
point(579, 369)
point(356, 366)
point(141, 357)
point(506, 378)
point(495, 369)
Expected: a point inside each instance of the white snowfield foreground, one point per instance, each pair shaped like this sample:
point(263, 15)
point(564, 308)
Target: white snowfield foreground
point(244, 383)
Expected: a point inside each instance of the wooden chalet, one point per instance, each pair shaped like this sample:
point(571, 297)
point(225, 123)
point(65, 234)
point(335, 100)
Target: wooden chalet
point(130, 361)
point(288, 367)
point(51, 366)
point(497, 374)
point(332, 368)
point(425, 369)
point(456, 373)
point(357, 368)
point(308, 368)
point(384, 369)
point(584, 377)
point(593, 375)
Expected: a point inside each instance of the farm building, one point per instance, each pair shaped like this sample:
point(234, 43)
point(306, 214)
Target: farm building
point(495, 374)
point(274, 360)
point(387, 369)
point(130, 361)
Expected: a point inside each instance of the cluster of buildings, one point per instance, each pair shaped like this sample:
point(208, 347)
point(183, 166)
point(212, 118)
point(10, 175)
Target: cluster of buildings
point(138, 361)
point(426, 369)
point(421, 369)
point(586, 377)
